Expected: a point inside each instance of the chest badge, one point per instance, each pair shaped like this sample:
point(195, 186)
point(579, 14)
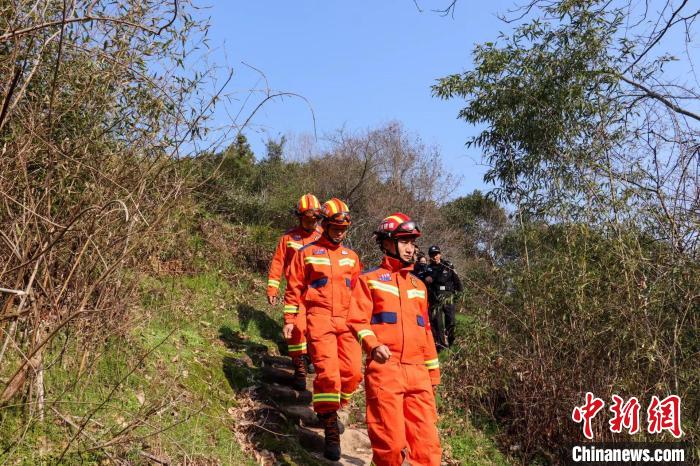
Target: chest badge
point(385, 277)
point(344, 252)
point(296, 237)
point(319, 251)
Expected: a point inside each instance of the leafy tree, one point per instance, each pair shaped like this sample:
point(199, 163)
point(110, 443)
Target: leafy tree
point(482, 220)
point(97, 111)
point(238, 159)
point(591, 138)
point(275, 149)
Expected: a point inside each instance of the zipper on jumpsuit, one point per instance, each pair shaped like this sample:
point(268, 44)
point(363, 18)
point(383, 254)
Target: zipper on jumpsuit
point(332, 283)
point(400, 309)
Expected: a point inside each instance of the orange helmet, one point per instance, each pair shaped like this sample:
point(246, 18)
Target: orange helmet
point(336, 212)
point(396, 226)
point(308, 203)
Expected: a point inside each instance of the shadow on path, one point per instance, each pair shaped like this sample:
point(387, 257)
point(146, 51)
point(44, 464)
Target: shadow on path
point(269, 328)
point(241, 372)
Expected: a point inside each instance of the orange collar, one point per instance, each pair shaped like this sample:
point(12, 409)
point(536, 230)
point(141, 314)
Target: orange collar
point(395, 265)
point(328, 244)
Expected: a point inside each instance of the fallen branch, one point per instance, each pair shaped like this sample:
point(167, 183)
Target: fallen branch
point(153, 458)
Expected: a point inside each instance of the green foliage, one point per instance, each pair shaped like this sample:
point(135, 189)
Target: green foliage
point(378, 172)
point(579, 315)
point(481, 219)
point(590, 286)
point(467, 444)
point(545, 96)
point(88, 131)
point(243, 190)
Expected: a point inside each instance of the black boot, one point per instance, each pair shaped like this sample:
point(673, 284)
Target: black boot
point(309, 365)
point(299, 373)
point(331, 431)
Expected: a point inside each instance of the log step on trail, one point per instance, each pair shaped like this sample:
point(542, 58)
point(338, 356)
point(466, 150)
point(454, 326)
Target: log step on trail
point(278, 374)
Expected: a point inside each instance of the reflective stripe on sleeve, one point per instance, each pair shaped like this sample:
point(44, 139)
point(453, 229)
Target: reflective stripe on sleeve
point(432, 364)
point(332, 397)
point(363, 333)
point(273, 283)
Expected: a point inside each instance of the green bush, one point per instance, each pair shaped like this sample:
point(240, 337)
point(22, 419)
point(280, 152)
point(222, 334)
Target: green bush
point(585, 310)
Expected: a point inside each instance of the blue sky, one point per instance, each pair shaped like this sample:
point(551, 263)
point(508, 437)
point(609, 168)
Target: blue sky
point(360, 64)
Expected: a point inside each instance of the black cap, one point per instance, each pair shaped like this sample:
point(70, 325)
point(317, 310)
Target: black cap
point(434, 250)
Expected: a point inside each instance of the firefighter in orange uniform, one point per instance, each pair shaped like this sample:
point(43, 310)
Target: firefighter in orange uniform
point(318, 293)
point(389, 316)
point(308, 210)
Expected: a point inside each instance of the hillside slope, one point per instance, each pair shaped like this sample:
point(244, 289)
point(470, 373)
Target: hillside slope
point(197, 378)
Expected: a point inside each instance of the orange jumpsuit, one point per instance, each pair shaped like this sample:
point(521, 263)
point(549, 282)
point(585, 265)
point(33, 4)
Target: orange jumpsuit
point(389, 307)
point(288, 245)
point(321, 278)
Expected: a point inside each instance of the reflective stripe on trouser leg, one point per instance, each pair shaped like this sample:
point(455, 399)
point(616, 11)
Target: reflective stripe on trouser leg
point(296, 346)
point(324, 355)
point(350, 359)
point(401, 413)
point(384, 412)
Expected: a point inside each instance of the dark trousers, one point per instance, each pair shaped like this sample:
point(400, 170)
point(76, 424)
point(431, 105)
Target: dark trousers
point(443, 333)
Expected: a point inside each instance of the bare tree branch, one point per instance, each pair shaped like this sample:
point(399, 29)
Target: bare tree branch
point(655, 95)
point(658, 37)
point(84, 19)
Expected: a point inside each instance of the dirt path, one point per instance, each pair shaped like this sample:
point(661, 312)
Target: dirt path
point(274, 402)
point(355, 444)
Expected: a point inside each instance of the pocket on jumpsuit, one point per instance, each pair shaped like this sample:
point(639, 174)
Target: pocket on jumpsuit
point(312, 296)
